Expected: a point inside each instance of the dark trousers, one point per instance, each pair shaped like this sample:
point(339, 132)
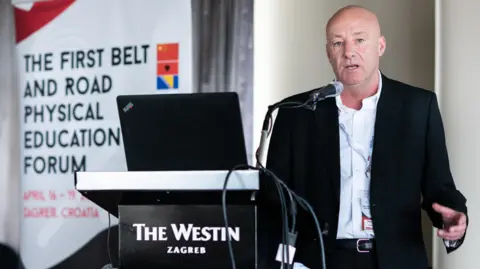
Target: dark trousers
point(351, 259)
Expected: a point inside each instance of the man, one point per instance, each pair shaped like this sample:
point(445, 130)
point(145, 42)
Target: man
point(367, 161)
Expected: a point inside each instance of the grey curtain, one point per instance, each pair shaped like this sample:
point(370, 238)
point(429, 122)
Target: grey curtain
point(223, 53)
point(10, 198)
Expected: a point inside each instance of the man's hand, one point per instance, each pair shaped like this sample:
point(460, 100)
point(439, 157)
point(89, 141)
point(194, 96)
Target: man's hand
point(455, 223)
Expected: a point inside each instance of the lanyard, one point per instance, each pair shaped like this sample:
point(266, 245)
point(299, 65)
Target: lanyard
point(366, 157)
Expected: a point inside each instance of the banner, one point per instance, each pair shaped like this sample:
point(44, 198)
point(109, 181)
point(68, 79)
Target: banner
point(74, 58)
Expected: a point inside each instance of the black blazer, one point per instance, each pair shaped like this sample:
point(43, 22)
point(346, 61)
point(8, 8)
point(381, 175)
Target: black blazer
point(409, 161)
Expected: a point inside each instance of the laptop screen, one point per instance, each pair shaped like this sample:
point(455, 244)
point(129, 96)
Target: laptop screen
point(173, 132)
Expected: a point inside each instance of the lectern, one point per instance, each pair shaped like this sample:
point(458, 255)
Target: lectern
point(175, 219)
point(179, 149)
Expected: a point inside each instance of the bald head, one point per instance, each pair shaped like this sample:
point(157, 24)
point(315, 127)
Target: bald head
point(352, 13)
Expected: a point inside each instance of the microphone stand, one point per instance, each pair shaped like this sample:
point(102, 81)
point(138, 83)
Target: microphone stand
point(261, 150)
point(310, 104)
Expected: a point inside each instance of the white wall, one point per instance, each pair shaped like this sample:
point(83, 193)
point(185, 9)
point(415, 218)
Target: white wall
point(457, 78)
point(290, 48)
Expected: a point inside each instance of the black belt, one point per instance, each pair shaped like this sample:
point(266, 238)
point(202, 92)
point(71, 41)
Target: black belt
point(360, 245)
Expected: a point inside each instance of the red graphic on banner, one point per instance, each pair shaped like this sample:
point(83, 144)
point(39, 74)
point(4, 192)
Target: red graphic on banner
point(167, 52)
point(27, 22)
point(167, 66)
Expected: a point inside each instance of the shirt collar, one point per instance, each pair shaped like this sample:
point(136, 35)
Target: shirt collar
point(367, 103)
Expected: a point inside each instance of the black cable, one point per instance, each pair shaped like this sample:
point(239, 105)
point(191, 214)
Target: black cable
point(285, 227)
point(293, 213)
point(293, 205)
point(284, 222)
point(309, 208)
point(293, 210)
point(303, 203)
point(108, 239)
point(284, 213)
point(285, 250)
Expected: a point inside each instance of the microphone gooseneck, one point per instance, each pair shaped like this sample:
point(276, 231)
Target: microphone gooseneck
point(333, 89)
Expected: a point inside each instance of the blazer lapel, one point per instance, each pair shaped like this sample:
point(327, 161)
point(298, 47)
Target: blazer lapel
point(388, 118)
point(328, 149)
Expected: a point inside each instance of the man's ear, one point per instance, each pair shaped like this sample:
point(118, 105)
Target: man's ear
point(327, 52)
point(382, 45)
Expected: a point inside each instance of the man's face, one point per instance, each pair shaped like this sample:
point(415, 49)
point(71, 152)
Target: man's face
point(354, 46)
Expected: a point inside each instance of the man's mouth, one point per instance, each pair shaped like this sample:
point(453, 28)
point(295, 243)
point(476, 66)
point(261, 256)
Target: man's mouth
point(352, 66)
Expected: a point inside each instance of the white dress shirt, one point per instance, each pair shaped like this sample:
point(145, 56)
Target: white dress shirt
point(356, 141)
point(356, 133)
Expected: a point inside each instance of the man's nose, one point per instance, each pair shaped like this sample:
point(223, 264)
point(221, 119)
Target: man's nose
point(349, 50)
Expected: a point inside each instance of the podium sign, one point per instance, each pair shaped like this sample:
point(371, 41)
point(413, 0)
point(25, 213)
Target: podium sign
point(186, 236)
point(175, 220)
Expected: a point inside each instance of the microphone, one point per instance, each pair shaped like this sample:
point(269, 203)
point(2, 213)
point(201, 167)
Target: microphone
point(331, 90)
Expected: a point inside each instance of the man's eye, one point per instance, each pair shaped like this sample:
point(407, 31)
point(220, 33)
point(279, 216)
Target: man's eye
point(337, 43)
point(360, 40)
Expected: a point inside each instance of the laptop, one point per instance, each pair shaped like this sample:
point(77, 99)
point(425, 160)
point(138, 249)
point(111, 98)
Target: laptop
point(175, 132)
